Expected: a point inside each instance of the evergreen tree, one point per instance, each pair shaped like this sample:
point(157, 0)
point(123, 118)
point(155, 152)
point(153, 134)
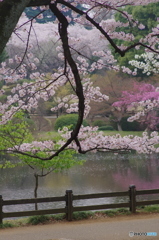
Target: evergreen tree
point(3, 56)
point(146, 18)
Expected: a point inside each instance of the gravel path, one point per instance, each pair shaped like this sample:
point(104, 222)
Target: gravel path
point(117, 228)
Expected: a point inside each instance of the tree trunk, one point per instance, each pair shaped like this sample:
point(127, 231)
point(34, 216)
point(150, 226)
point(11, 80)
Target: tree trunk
point(10, 12)
point(36, 189)
point(148, 131)
point(119, 127)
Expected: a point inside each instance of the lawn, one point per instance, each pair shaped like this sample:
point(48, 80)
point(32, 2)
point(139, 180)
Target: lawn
point(46, 135)
point(53, 134)
point(124, 133)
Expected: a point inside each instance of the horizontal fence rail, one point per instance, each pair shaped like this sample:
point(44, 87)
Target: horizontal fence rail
point(69, 198)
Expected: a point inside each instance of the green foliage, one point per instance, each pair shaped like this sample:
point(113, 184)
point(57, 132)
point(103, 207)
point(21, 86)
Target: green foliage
point(35, 220)
point(3, 98)
point(146, 15)
point(13, 133)
point(151, 208)
point(81, 215)
point(129, 126)
point(99, 123)
point(110, 213)
point(3, 56)
point(59, 217)
point(68, 120)
point(117, 212)
point(6, 225)
point(123, 211)
point(106, 128)
point(65, 160)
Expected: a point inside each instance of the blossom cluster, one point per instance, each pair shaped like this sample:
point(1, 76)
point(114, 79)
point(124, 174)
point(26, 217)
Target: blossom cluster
point(44, 86)
point(92, 140)
point(147, 62)
point(142, 102)
point(34, 147)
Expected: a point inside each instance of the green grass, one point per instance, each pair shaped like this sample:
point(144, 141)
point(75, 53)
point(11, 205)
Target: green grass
point(82, 215)
point(43, 219)
point(148, 209)
point(124, 133)
point(6, 225)
point(53, 134)
point(46, 135)
point(116, 212)
point(59, 217)
point(35, 220)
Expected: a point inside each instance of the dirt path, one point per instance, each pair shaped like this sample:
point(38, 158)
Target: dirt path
point(116, 228)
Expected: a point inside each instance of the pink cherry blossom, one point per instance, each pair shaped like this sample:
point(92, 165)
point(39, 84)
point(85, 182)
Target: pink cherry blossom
point(77, 53)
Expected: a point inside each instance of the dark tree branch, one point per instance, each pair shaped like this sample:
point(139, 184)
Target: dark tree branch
point(94, 23)
point(63, 25)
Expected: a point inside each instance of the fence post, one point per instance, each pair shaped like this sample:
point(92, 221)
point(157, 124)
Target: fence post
point(69, 205)
point(1, 205)
point(132, 195)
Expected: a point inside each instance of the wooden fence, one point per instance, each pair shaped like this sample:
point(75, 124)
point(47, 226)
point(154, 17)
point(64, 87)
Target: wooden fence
point(69, 198)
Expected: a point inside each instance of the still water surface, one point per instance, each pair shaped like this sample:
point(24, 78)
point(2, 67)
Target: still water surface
point(100, 173)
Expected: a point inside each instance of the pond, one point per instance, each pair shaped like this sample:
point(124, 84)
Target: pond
point(101, 172)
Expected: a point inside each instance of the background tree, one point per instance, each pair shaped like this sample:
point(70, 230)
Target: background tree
point(45, 55)
point(16, 132)
point(3, 56)
point(46, 15)
point(129, 104)
point(145, 18)
point(74, 70)
point(40, 168)
point(112, 84)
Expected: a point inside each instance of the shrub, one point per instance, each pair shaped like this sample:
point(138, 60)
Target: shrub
point(3, 98)
point(110, 213)
point(129, 126)
point(81, 215)
point(99, 123)
point(6, 225)
point(59, 217)
point(38, 219)
point(151, 208)
point(106, 128)
point(123, 211)
point(68, 120)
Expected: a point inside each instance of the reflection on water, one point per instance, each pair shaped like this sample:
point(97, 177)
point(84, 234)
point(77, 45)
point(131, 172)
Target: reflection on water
point(100, 173)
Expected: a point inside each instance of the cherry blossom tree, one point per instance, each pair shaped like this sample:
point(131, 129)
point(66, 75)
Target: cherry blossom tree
point(130, 103)
point(148, 63)
point(146, 17)
point(111, 83)
point(74, 71)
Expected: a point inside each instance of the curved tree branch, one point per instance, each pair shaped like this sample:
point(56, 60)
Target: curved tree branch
point(63, 25)
point(104, 33)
